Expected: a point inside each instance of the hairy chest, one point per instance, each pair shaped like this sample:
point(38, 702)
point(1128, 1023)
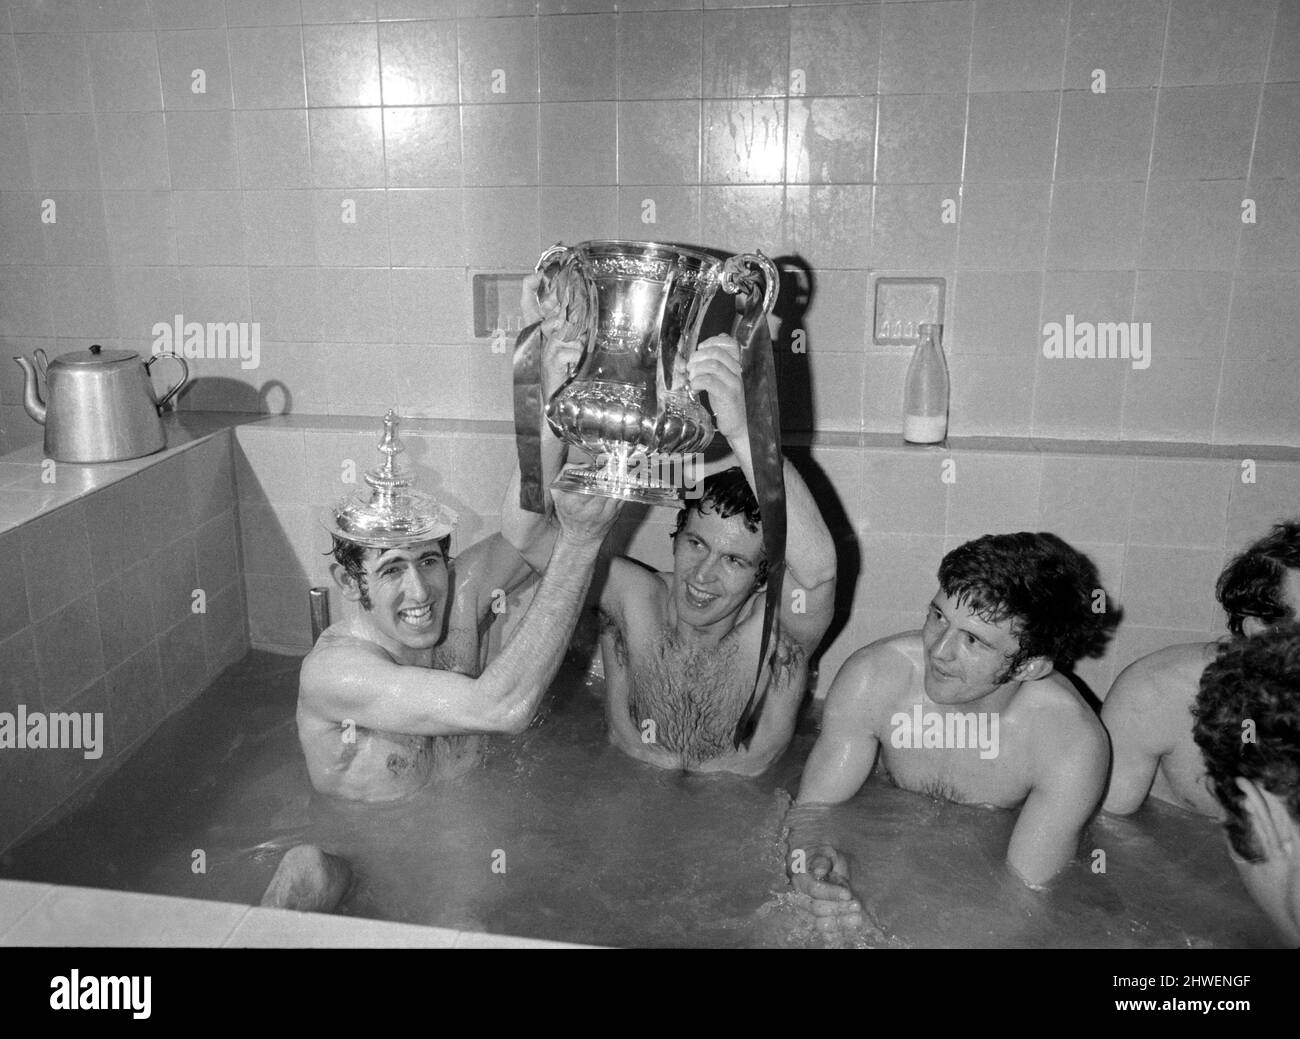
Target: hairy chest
point(966, 757)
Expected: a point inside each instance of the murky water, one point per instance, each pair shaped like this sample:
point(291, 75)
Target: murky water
point(597, 848)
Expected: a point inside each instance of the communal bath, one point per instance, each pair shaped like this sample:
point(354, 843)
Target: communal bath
point(559, 836)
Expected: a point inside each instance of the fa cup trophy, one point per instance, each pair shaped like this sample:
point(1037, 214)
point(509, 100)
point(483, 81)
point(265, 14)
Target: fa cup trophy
point(637, 308)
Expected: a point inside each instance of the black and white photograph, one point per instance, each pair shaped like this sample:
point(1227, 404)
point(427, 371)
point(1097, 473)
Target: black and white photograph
point(655, 475)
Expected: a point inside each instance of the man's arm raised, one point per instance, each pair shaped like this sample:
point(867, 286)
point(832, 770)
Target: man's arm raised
point(376, 693)
point(808, 592)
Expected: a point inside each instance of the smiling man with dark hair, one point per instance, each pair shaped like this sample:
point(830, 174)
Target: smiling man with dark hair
point(997, 726)
point(396, 692)
point(681, 648)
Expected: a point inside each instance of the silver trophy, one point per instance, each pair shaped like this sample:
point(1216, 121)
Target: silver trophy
point(637, 308)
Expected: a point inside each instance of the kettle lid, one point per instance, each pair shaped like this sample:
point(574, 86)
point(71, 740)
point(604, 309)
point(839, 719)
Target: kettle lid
point(96, 356)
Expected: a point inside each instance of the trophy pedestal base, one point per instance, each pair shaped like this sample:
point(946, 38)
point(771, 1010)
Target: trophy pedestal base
point(606, 482)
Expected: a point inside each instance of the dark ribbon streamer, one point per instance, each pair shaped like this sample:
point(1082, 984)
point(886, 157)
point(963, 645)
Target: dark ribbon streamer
point(528, 417)
point(759, 377)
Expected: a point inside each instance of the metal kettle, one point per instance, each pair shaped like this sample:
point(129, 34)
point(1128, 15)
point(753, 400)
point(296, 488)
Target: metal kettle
point(101, 406)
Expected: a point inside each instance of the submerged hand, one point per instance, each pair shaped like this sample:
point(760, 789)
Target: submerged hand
point(824, 878)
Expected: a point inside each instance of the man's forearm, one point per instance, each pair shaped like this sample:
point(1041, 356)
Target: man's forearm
point(807, 828)
point(529, 533)
point(519, 676)
point(809, 547)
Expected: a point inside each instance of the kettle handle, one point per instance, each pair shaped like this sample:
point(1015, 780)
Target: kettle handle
point(185, 373)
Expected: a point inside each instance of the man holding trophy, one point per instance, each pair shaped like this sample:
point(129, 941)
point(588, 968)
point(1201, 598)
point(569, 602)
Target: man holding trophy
point(706, 665)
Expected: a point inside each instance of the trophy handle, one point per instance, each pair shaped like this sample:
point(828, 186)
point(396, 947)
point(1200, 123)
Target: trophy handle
point(550, 256)
point(739, 272)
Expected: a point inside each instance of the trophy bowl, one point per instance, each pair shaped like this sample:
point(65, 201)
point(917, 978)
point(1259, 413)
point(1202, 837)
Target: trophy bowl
point(637, 308)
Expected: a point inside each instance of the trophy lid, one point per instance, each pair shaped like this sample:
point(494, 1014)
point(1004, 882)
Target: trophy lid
point(395, 515)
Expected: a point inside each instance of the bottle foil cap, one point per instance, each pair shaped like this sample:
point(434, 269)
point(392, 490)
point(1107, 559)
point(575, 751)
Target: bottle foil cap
point(395, 514)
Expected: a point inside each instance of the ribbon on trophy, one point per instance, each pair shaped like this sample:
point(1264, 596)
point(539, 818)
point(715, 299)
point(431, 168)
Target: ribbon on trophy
point(567, 320)
point(528, 417)
point(751, 331)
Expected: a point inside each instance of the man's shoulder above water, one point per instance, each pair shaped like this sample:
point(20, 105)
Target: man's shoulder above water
point(340, 655)
point(1148, 703)
point(1171, 672)
point(888, 675)
point(1148, 714)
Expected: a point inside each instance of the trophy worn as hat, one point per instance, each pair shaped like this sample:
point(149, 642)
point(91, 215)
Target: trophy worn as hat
point(395, 515)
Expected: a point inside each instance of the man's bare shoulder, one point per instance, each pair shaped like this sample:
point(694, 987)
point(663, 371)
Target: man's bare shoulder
point(1164, 680)
point(628, 571)
point(338, 659)
point(1182, 663)
point(630, 582)
point(1066, 731)
point(877, 673)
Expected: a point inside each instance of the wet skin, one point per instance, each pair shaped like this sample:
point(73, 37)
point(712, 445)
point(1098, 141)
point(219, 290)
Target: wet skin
point(680, 652)
point(408, 623)
point(1148, 715)
point(1051, 761)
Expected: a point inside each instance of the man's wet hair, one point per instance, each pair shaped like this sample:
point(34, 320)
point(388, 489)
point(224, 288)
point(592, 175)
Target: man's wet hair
point(1251, 585)
point(727, 494)
point(1254, 680)
point(1036, 580)
point(352, 557)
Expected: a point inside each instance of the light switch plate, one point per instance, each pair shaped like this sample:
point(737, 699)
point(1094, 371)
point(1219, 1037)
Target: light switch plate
point(903, 305)
point(496, 303)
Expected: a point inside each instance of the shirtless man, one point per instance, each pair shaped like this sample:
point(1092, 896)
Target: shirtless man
point(1148, 709)
point(680, 650)
point(386, 692)
point(1014, 734)
point(1257, 781)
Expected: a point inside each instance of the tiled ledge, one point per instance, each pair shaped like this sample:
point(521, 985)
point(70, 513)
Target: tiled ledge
point(822, 438)
point(54, 915)
point(1049, 446)
point(24, 495)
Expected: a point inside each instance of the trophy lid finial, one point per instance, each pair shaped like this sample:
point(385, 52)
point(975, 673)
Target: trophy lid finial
point(395, 514)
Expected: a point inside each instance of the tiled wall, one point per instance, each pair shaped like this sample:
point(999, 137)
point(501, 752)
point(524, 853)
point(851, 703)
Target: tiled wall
point(1159, 528)
point(468, 135)
point(97, 613)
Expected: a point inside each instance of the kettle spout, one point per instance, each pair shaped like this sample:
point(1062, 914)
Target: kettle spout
point(32, 402)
